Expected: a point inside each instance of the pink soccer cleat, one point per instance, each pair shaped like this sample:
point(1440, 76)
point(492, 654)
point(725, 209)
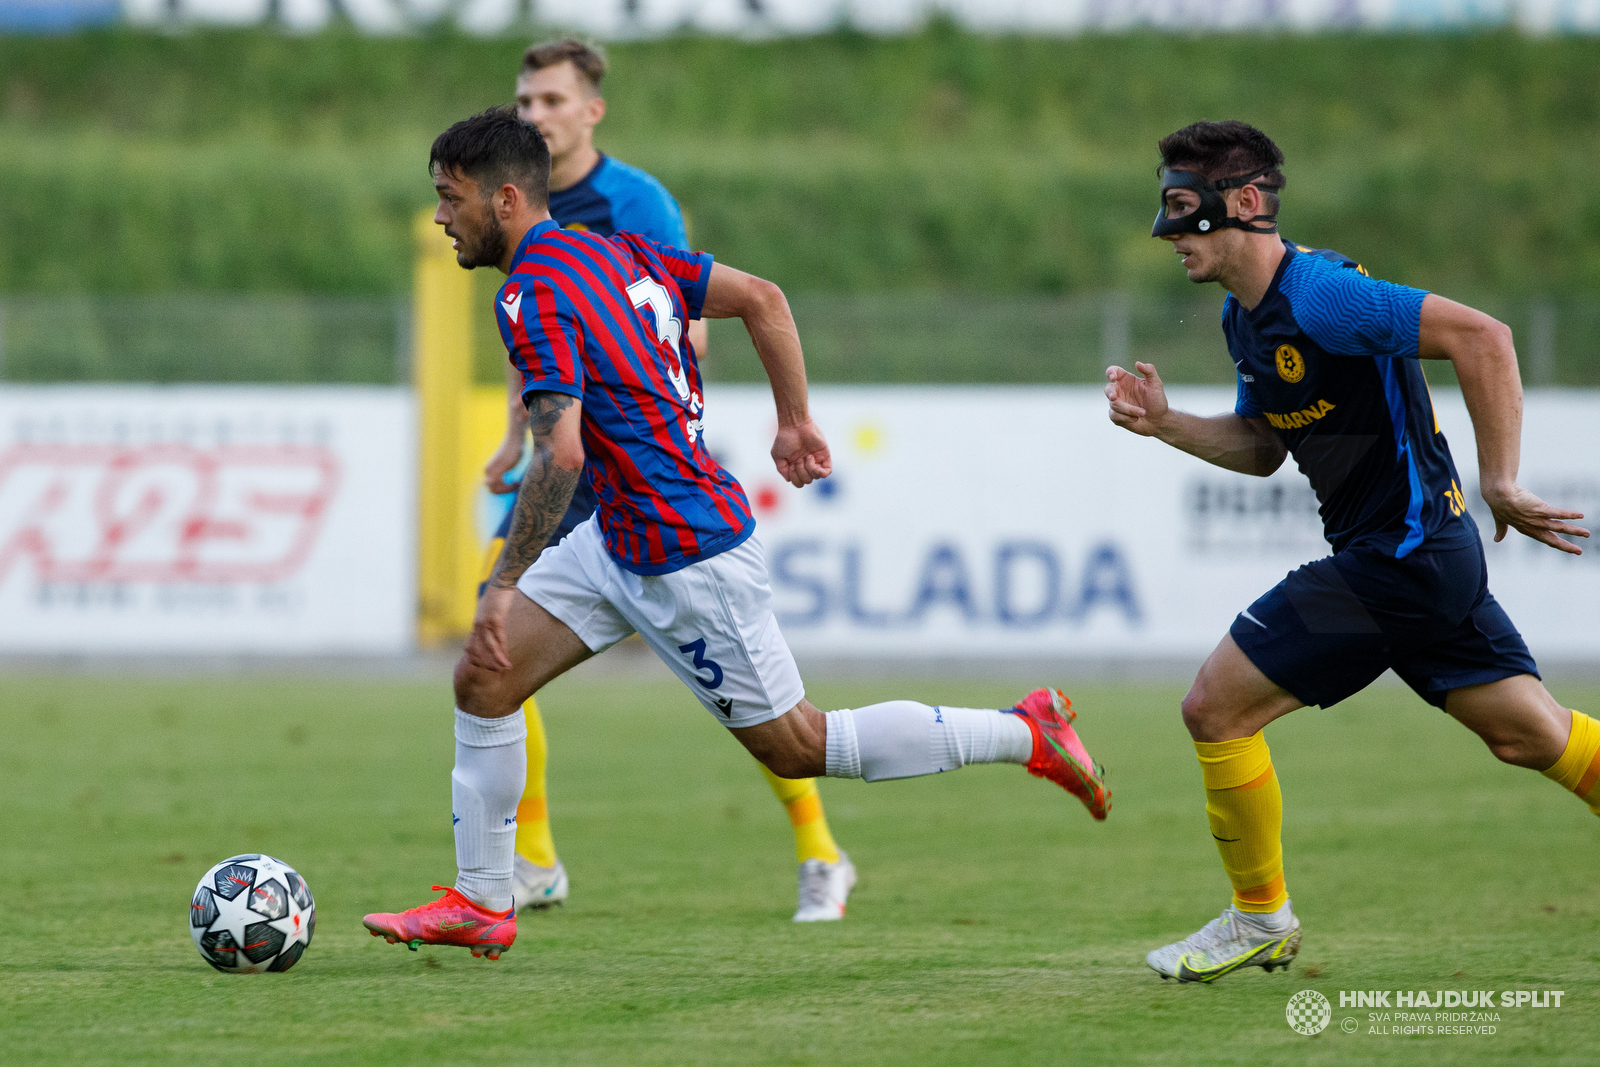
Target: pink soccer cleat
point(450, 920)
point(1058, 754)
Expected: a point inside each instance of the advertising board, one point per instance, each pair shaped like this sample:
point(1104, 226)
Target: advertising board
point(1019, 522)
point(206, 519)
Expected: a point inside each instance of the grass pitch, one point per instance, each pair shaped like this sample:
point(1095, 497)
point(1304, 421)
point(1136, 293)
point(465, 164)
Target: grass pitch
point(994, 922)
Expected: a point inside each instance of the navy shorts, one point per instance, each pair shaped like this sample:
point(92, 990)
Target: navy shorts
point(1329, 629)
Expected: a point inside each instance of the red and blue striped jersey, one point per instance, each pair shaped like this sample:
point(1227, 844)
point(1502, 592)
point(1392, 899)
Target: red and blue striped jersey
point(602, 319)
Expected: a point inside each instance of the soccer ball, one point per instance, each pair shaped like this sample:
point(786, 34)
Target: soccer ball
point(251, 914)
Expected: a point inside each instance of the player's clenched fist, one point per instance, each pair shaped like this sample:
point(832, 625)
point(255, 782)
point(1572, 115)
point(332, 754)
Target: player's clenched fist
point(1137, 404)
point(504, 460)
point(801, 454)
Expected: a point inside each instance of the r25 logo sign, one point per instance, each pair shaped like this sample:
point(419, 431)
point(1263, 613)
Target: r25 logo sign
point(163, 513)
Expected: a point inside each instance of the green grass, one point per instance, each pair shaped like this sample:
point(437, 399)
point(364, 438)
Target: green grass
point(994, 923)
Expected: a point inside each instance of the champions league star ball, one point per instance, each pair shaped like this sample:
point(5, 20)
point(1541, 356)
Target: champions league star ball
point(252, 914)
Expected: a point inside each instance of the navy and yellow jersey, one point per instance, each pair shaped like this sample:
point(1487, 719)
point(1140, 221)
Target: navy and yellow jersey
point(616, 198)
point(1329, 359)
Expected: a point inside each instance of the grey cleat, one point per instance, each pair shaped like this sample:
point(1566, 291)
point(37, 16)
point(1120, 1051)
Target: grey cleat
point(533, 886)
point(824, 889)
point(1232, 940)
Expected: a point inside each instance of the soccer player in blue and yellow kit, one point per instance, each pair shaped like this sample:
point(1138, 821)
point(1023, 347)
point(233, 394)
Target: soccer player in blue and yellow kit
point(1328, 372)
point(558, 90)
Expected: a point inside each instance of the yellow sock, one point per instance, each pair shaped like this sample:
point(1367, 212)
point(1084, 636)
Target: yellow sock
point(534, 842)
point(811, 837)
point(1245, 808)
point(1578, 769)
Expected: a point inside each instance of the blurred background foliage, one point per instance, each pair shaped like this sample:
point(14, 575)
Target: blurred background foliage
point(254, 161)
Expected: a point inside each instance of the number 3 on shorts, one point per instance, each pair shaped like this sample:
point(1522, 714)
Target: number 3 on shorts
point(697, 648)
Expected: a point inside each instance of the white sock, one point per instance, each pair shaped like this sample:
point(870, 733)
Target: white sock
point(904, 739)
point(491, 769)
point(1270, 922)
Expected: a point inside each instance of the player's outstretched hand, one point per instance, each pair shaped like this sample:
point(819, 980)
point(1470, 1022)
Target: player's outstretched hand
point(486, 648)
point(1522, 511)
point(1137, 404)
point(507, 456)
point(801, 453)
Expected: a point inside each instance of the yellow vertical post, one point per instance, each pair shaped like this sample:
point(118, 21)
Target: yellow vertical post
point(447, 543)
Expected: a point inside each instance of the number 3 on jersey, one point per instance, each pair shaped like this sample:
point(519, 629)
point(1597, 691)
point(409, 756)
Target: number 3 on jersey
point(697, 649)
point(649, 293)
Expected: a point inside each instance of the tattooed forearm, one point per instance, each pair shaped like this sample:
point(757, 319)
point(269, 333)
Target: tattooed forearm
point(546, 491)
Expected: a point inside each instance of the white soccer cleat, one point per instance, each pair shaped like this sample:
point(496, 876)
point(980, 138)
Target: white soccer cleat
point(1232, 940)
point(533, 886)
point(824, 889)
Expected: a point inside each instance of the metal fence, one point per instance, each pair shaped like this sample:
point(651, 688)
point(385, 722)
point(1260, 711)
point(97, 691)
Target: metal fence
point(915, 337)
point(204, 338)
point(966, 338)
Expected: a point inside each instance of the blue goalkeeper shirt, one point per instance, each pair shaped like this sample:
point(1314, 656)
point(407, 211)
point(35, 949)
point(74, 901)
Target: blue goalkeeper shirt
point(616, 198)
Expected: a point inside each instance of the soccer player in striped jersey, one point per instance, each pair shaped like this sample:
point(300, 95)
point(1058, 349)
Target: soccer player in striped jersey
point(595, 327)
point(558, 90)
point(1329, 372)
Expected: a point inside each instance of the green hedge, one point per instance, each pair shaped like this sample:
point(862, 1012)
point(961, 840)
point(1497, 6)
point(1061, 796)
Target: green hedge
point(255, 161)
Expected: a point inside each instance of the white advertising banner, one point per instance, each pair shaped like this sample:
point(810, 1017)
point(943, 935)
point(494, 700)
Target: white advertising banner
point(1019, 522)
point(245, 519)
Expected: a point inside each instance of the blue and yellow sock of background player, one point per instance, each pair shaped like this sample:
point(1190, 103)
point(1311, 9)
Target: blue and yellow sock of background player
point(534, 842)
point(799, 796)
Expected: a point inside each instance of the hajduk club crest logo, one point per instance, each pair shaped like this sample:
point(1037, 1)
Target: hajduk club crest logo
point(1308, 1012)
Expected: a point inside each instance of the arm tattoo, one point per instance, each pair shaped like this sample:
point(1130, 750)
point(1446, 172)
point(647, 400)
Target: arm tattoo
point(546, 491)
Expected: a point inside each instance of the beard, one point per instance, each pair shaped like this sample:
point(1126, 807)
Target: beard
point(1207, 271)
point(485, 249)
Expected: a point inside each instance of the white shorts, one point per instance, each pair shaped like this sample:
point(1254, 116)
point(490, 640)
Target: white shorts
point(711, 622)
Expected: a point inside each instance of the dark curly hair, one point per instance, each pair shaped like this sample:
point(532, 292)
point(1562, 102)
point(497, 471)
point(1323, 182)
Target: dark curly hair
point(1230, 149)
point(496, 148)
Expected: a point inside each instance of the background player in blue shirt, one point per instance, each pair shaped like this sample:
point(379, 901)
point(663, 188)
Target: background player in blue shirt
point(558, 90)
point(1328, 372)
